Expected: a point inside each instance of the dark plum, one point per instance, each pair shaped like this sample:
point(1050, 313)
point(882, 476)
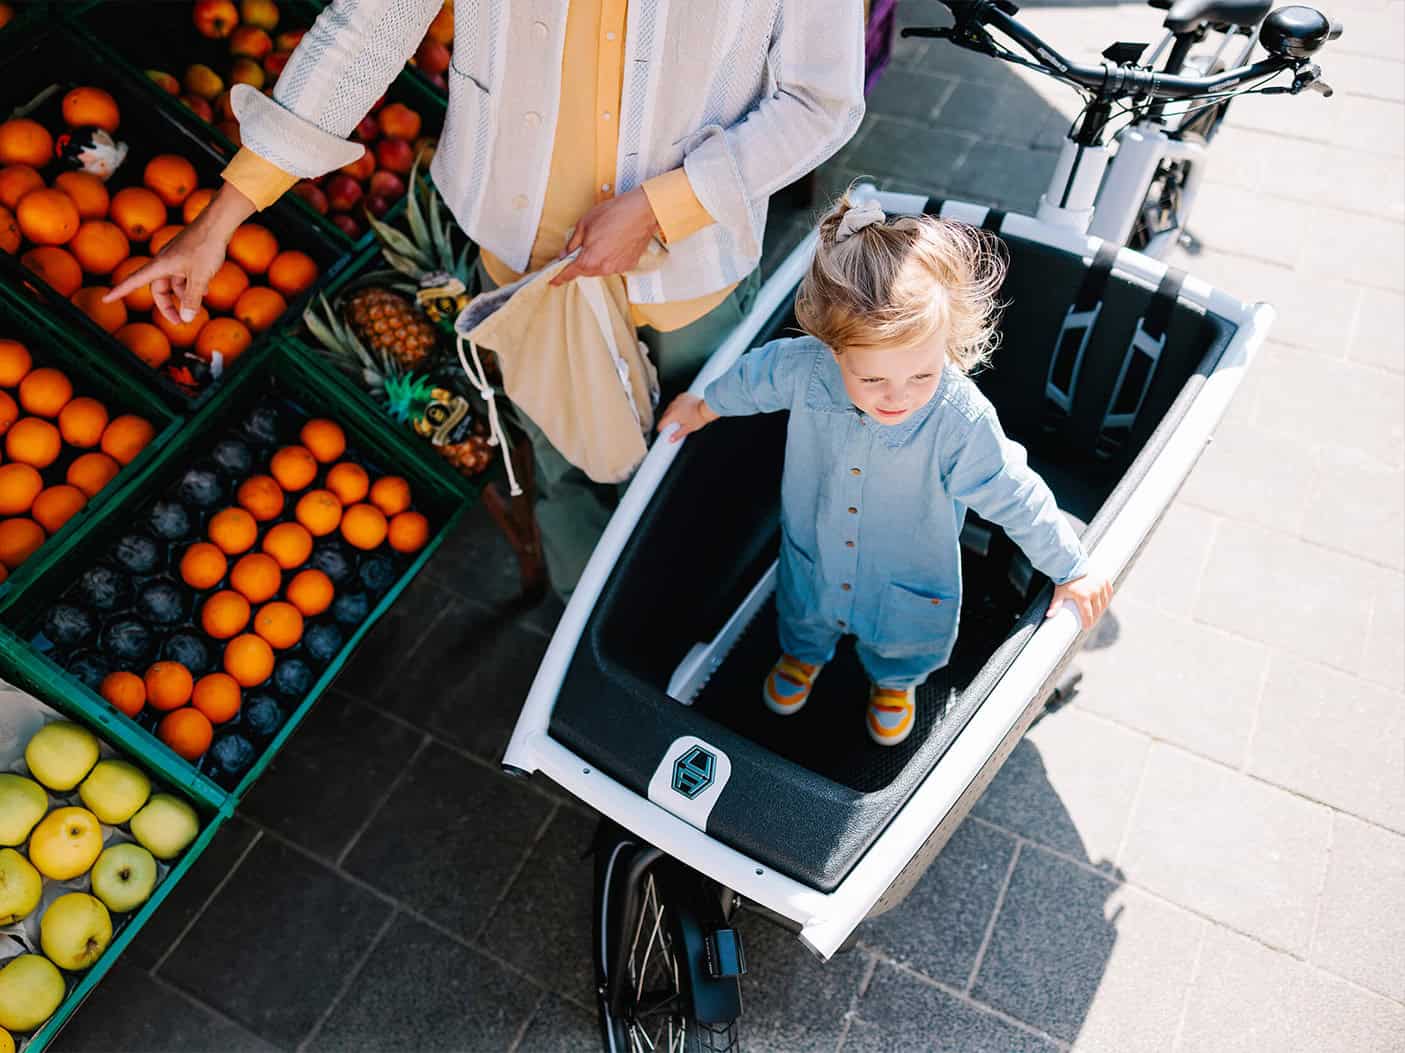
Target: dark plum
point(261, 425)
point(292, 678)
point(69, 626)
point(233, 458)
point(126, 639)
point(200, 487)
point(190, 651)
point(232, 755)
point(169, 520)
point(137, 554)
point(262, 717)
point(103, 588)
point(377, 573)
point(89, 668)
point(351, 608)
point(162, 602)
point(323, 642)
point(331, 559)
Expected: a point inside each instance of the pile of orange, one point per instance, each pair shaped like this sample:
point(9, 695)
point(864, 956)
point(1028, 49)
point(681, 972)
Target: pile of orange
point(83, 239)
point(39, 417)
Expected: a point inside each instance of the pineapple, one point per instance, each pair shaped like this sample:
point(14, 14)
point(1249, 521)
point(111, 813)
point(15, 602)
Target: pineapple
point(389, 322)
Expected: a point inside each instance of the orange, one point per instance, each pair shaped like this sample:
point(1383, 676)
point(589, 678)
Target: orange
point(45, 391)
point(163, 237)
point(89, 193)
point(261, 497)
point(324, 438)
point(16, 181)
point(257, 577)
point(99, 246)
point(348, 481)
point(138, 299)
point(248, 659)
point(20, 484)
point(33, 441)
point(391, 494)
point(259, 307)
point(25, 142)
point(224, 614)
point(146, 342)
point(294, 467)
point(56, 266)
point(138, 211)
point(48, 217)
point(82, 421)
point(408, 532)
point(15, 362)
point(195, 204)
point(170, 177)
point(311, 592)
point(11, 237)
point(217, 696)
point(363, 526)
point(91, 106)
point(126, 437)
point(4, 574)
point(288, 543)
point(319, 511)
point(224, 336)
point(203, 565)
point(280, 624)
point(19, 539)
point(292, 272)
point(182, 334)
point(57, 505)
point(226, 286)
point(168, 685)
point(91, 472)
point(125, 691)
point(108, 316)
point(253, 247)
point(187, 731)
point(233, 530)
point(9, 412)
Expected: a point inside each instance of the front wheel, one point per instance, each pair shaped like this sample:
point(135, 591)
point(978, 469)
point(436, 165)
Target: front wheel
point(637, 930)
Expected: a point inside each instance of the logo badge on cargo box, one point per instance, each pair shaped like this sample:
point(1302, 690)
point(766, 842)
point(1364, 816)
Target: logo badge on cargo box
point(692, 772)
point(690, 778)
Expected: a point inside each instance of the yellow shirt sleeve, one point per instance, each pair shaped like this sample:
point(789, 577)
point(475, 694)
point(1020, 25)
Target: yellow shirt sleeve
point(676, 207)
point(262, 182)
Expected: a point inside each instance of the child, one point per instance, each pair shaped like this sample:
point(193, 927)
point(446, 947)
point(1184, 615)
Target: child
point(889, 443)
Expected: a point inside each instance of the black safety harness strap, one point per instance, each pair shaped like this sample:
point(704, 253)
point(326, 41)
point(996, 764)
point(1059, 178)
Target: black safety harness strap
point(1072, 342)
point(1139, 365)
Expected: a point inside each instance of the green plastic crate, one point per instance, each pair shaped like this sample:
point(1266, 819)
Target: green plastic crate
point(128, 928)
point(29, 61)
point(163, 37)
point(286, 375)
point(52, 345)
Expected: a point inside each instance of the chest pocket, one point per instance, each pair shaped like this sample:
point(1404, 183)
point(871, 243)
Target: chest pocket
point(913, 622)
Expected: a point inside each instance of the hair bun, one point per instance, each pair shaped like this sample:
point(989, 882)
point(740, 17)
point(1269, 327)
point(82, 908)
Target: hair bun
point(856, 217)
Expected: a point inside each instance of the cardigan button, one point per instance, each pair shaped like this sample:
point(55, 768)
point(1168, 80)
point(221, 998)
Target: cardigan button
point(520, 201)
point(532, 119)
point(539, 30)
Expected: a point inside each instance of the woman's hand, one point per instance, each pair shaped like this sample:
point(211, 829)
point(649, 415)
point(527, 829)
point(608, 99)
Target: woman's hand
point(181, 271)
point(612, 237)
point(690, 413)
point(1090, 594)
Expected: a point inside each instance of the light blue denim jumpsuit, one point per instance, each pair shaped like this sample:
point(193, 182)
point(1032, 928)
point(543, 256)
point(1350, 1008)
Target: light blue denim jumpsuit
point(871, 513)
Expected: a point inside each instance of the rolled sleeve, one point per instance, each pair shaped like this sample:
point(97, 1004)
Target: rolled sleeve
point(764, 380)
point(281, 137)
point(261, 181)
point(676, 207)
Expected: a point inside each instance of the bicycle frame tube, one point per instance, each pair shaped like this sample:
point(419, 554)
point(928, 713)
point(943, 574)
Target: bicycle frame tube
point(1140, 149)
point(1073, 188)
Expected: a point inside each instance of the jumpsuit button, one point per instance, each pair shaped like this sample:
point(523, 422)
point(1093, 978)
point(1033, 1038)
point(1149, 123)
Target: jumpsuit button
point(848, 544)
point(842, 623)
point(846, 586)
point(936, 603)
point(856, 471)
point(853, 511)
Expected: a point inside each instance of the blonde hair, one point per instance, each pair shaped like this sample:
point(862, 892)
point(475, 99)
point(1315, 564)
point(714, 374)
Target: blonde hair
point(897, 282)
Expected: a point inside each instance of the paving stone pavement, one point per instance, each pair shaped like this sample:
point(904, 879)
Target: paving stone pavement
point(1204, 852)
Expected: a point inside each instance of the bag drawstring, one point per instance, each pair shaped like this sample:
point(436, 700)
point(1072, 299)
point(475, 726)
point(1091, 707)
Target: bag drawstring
point(479, 379)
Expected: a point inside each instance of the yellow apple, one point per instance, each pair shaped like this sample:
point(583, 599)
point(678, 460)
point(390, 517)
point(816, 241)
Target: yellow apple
point(75, 930)
point(114, 790)
point(7, 1044)
point(123, 877)
point(23, 803)
point(60, 754)
point(66, 843)
point(261, 13)
point(31, 988)
point(20, 887)
point(165, 826)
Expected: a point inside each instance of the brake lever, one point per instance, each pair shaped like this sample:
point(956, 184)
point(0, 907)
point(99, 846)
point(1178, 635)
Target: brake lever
point(1310, 79)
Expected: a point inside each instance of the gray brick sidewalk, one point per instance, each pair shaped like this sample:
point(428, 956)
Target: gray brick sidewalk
point(1204, 853)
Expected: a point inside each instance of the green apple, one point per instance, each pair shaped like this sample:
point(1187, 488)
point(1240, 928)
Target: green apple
point(20, 887)
point(23, 803)
point(165, 826)
point(65, 844)
point(75, 930)
point(60, 754)
point(114, 790)
point(124, 876)
point(31, 988)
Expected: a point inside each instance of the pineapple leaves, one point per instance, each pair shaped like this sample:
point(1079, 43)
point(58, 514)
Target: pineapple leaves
point(393, 240)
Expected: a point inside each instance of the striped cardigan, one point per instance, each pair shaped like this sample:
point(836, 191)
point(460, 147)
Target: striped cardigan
point(746, 95)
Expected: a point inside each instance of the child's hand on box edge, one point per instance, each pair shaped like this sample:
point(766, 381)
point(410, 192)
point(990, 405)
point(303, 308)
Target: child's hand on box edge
point(1090, 594)
point(689, 413)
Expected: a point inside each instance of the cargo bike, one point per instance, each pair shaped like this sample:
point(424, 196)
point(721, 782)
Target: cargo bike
point(1114, 372)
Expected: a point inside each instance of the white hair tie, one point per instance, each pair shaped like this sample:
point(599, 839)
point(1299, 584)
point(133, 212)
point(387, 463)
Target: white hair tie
point(856, 217)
